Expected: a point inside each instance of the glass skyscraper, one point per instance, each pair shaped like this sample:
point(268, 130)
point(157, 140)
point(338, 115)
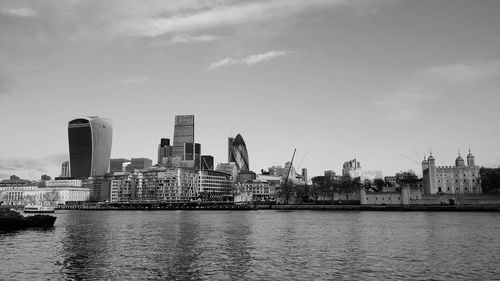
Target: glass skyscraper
point(238, 153)
point(89, 146)
point(184, 134)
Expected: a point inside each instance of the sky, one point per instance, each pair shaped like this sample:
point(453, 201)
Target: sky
point(382, 81)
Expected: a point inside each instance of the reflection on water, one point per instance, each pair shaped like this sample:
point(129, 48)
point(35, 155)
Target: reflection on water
point(255, 245)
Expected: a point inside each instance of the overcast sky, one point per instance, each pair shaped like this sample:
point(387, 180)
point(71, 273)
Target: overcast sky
point(380, 81)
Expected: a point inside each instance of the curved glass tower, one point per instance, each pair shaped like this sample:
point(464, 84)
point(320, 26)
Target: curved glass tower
point(238, 153)
point(89, 146)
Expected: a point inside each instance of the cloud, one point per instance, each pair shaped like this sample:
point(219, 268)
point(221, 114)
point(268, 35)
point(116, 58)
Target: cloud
point(461, 73)
point(223, 62)
point(30, 166)
point(134, 80)
point(24, 12)
point(254, 59)
point(430, 83)
point(249, 61)
point(185, 38)
point(215, 14)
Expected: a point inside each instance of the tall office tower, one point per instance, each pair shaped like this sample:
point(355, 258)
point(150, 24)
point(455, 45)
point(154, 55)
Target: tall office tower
point(238, 153)
point(65, 170)
point(90, 141)
point(164, 151)
point(183, 134)
point(207, 162)
point(116, 165)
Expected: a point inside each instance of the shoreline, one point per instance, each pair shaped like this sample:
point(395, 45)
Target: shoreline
point(230, 207)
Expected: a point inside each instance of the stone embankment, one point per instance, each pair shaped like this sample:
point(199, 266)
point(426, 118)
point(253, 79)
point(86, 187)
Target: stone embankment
point(453, 208)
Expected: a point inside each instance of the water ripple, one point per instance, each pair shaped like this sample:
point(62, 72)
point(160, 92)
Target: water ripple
point(263, 245)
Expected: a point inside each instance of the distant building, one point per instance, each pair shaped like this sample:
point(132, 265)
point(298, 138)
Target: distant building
point(246, 176)
point(65, 171)
point(45, 177)
point(52, 192)
point(353, 170)
point(288, 171)
point(330, 174)
point(451, 179)
point(89, 146)
point(116, 165)
point(214, 186)
point(207, 162)
point(183, 134)
point(238, 153)
point(139, 164)
point(255, 191)
point(164, 151)
point(228, 168)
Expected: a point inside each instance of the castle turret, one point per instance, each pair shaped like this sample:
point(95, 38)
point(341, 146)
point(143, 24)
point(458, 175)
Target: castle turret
point(425, 164)
point(459, 162)
point(429, 176)
point(470, 159)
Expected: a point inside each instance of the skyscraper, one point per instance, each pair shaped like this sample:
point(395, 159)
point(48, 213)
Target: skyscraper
point(238, 153)
point(183, 134)
point(89, 146)
point(164, 151)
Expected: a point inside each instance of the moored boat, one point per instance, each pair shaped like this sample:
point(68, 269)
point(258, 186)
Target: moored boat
point(38, 209)
point(11, 220)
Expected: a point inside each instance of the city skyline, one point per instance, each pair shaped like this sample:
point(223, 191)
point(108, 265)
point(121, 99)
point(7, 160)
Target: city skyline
point(379, 81)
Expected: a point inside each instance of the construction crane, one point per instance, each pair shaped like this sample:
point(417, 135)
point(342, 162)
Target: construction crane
point(301, 161)
point(411, 160)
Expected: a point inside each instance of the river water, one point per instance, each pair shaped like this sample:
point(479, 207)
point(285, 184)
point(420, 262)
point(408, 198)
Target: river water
point(256, 245)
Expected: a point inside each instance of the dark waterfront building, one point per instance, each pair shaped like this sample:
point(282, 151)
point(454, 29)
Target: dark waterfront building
point(89, 146)
point(183, 134)
point(238, 153)
point(116, 165)
point(207, 162)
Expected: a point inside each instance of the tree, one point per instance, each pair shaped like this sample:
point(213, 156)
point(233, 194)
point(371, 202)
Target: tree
point(490, 180)
point(406, 177)
point(379, 184)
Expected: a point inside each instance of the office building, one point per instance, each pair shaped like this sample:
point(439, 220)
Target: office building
point(117, 165)
point(352, 169)
point(139, 164)
point(214, 186)
point(207, 162)
point(90, 141)
point(183, 134)
point(164, 151)
point(65, 171)
point(238, 153)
